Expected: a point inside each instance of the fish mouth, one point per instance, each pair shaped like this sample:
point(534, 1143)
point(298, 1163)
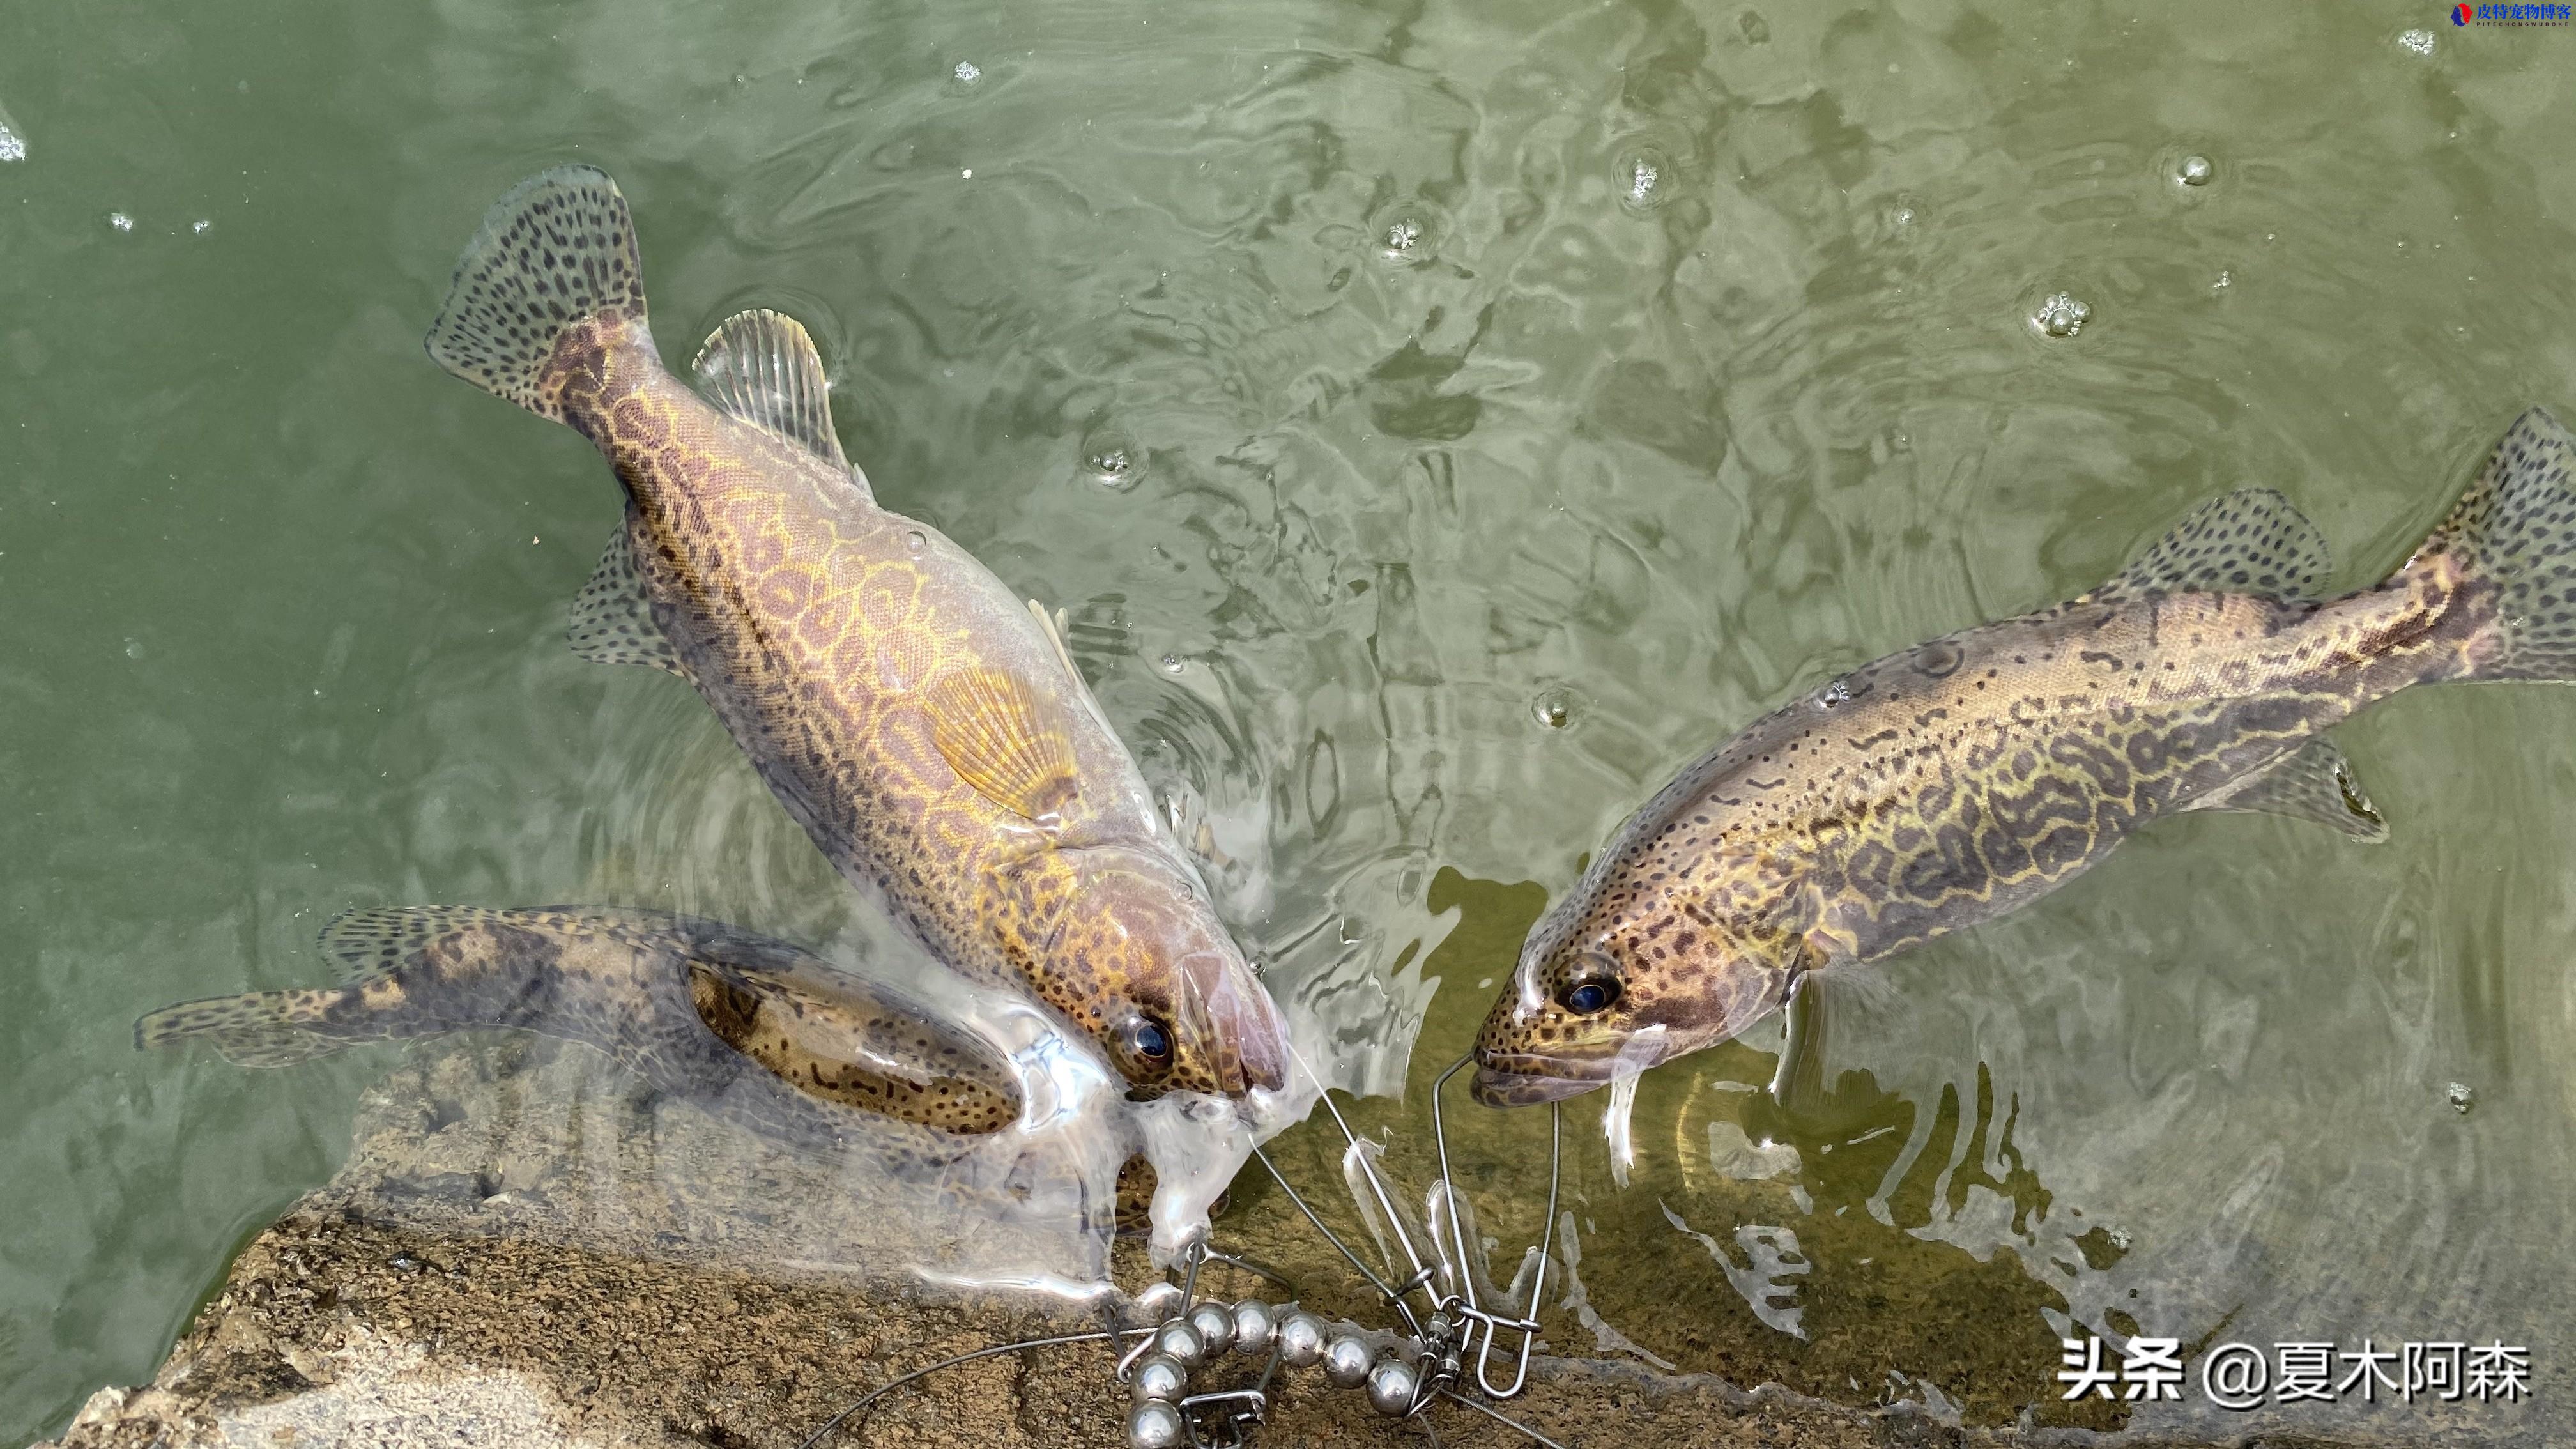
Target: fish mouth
point(1518, 1079)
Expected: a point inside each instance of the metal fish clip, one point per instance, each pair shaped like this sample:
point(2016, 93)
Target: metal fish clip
point(1455, 1251)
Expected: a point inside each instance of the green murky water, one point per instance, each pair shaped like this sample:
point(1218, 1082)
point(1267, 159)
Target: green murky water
point(1472, 488)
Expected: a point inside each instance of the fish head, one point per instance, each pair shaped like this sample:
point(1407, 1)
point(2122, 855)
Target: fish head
point(1156, 979)
point(1600, 997)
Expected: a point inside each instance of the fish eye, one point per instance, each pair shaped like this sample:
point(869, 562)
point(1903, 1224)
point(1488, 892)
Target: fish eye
point(1147, 1040)
point(1590, 995)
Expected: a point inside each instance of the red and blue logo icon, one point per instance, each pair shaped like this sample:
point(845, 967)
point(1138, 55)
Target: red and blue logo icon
point(2552, 14)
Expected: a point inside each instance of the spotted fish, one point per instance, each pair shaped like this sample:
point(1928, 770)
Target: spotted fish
point(757, 1031)
point(1968, 776)
point(925, 726)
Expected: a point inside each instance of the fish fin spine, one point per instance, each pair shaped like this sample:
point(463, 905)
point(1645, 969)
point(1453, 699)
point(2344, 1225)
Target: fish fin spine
point(761, 367)
point(555, 258)
point(2514, 532)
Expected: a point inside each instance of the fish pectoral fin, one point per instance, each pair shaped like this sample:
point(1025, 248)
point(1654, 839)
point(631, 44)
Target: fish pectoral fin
point(761, 367)
point(612, 617)
point(995, 732)
point(842, 1038)
point(2313, 782)
point(2251, 541)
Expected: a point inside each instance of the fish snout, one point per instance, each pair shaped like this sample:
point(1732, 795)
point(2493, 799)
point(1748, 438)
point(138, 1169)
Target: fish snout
point(1245, 1039)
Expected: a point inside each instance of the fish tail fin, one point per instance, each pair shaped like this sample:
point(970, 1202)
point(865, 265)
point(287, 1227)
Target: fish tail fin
point(263, 1029)
point(2512, 539)
point(555, 260)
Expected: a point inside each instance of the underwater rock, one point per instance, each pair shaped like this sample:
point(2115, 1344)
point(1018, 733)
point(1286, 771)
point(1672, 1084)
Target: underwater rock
point(487, 1270)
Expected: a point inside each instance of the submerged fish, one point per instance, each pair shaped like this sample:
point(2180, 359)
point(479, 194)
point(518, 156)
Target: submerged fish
point(926, 728)
point(755, 1031)
point(1963, 778)
point(759, 1032)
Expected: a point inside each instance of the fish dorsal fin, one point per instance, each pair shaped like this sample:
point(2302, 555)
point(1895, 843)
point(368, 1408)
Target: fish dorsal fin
point(993, 730)
point(2251, 541)
point(366, 944)
point(2313, 782)
point(762, 368)
point(612, 619)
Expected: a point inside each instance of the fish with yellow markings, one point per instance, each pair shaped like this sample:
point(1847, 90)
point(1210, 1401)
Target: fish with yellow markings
point(757, 1032)
point(764, 1034)
point(1963, 778)
point(925, 726)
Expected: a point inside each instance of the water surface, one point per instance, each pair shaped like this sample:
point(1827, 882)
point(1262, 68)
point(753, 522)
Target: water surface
point(1472, 484)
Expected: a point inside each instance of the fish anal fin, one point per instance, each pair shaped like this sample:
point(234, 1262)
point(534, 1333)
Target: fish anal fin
point(2251, 541)
point(1001, 739)
point(2313, 782)
point(612, 616)
point(761, 367)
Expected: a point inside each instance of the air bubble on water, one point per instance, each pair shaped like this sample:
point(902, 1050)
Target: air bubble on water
point(2119, 1238)
point(1641, 177)
point(199, 226)
point(2461, 1097)
point(2224, 282)
point(1643, 172)
point(1835, 695)
point(2418, 41)
point(1174, 664)
point(120, 221)
point(968, 72)
point(133, 648)
point(2061, 316)
point(13, 147)
point(1112, 459)
point(2195, 171)
point(1408, 233)
point(1557, 708)
point(914, 540)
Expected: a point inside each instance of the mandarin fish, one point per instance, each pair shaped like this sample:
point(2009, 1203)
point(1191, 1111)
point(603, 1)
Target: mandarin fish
point(754, 1031)
point(759, 1032)
point(1966, 777)
point(925, 726)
